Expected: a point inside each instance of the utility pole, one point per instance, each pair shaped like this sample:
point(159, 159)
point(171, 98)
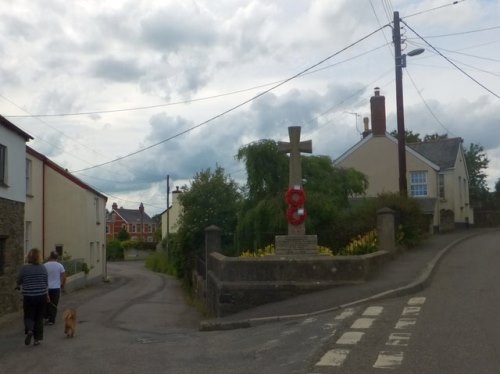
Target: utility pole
point(168, 209)
point(400, 62)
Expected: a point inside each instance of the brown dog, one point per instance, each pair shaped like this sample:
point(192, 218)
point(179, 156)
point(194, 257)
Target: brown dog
point(69, 317)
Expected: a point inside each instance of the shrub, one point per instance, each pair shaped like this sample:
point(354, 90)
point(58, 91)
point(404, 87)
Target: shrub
point(159, 262)
point(114, 250)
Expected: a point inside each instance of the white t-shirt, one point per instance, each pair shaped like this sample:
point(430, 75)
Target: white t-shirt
point(55, 269)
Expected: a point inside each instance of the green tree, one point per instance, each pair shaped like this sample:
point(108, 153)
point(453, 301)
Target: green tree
point(435, 137)
point(410, 137)
point(497, 188)
point(477, 163)
point(212, 199)
point(123, 235)
point(263, 213)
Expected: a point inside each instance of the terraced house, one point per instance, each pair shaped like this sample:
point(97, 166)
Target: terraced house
point(12, 201)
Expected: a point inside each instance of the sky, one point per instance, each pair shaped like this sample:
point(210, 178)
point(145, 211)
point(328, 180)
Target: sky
point(126, 93)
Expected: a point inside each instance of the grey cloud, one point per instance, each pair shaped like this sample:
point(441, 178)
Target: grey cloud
point(117, 70)
point(168, 30)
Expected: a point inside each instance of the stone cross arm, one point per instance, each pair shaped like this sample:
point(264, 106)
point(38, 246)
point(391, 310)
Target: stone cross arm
point(295, 147)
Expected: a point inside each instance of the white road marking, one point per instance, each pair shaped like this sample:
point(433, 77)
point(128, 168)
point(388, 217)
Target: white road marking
point(334, 357)
point(404, 323)
point(308, 320)
point(373, 311)
point(362, 323)
point(416, 301)
point(399, 338)
point(350, 337)
point(411, 310)
point(345, 314)
point(388, 360)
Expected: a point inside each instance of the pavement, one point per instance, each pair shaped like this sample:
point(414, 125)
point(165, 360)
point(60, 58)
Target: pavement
point(409, 272)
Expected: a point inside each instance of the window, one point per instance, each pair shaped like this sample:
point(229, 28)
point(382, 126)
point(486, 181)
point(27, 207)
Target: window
point(27, 236)
point(132, 229)
point(2, 255)
point(97, 211)
point(29, 168)
point(91, 253)
point(418, 180)
point(441, 186)
point(3, 165)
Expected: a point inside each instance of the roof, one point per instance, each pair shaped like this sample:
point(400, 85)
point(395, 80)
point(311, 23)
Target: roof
point(64, 172)
point(9, 125)
point(133, 215)
point(442, 152)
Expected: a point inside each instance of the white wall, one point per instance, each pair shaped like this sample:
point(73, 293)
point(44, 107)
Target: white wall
point(16, 165)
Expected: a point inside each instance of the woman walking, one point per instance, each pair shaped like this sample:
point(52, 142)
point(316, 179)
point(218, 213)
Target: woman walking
point(34, 281)
point(57, 279)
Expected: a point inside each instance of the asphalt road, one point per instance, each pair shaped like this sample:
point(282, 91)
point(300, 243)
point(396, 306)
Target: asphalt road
point(140, 323)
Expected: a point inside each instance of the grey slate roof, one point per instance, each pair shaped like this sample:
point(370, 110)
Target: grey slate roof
point(442, 152)
point(133, 216)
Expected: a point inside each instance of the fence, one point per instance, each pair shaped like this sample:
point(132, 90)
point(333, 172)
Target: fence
point(73, 266)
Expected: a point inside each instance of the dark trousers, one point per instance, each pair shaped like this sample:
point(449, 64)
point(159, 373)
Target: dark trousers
point(34, 310)
point(51, 310)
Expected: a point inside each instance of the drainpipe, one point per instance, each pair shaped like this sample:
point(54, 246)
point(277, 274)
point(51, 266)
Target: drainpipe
point(43, 209)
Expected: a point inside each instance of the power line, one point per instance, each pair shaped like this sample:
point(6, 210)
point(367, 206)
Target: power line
point(462, 32)
point(425, 102)
point(190, 100)
point(451, 62)
point(432, 9)
point(238, 105)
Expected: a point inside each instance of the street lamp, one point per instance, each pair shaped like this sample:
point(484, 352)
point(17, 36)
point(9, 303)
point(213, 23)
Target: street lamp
point(400, 63)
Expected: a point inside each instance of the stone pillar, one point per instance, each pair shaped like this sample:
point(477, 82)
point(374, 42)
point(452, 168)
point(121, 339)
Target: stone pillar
point(386, 230)
point(212, 239)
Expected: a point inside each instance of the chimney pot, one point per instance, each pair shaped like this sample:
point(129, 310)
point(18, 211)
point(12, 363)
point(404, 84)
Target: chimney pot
point(377, 91)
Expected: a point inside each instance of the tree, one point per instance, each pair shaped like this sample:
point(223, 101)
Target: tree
point(477, 162)
point(263, 214)
point(497, 188)
point(434, 137)
point(123, 235)
point(410, 137)
point(212, 199)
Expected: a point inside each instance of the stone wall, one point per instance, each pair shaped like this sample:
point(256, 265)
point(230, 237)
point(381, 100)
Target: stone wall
point(236, 284)
point(12, 235)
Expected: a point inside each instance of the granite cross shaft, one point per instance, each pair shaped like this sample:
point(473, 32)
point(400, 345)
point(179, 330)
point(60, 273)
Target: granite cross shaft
point(295, 147)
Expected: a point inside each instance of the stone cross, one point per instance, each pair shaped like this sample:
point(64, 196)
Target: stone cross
point(294, 147)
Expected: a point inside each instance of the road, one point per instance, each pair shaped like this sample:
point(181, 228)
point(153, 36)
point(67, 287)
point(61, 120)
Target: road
point(140, 323)
point(452, 327)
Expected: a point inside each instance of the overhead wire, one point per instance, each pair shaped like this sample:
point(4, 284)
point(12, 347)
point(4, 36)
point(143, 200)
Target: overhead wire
point(432, 9)
point(451, 62)
point(238, 105)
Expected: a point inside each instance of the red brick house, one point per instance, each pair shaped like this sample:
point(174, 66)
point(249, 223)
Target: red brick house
point(137, 222)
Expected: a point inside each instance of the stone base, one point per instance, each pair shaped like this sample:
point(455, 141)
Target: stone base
point(296, 245)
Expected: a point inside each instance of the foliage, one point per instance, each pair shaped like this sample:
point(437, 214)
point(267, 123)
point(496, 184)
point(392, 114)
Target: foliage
point(411, 137)
point(123, 234)
point(497, 188)
point(270, 250)
point(159, 262)
point(114, 250)
point(477, 163)
point(263, 214)
point(85, 268)
point(212, 199)
point(360, 245)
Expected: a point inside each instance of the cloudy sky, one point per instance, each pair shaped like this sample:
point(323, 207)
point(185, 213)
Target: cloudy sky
point(133, 91)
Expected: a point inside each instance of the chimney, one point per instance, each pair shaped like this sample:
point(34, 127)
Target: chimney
point(141, 208)
point(114, 206)
point(367, 130)
point(377, 106)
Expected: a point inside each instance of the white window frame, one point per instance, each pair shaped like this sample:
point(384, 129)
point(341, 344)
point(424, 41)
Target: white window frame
point(3, 165)
point(418, 183)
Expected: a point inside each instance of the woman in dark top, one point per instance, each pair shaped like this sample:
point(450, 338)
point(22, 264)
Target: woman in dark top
point(34, 280)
